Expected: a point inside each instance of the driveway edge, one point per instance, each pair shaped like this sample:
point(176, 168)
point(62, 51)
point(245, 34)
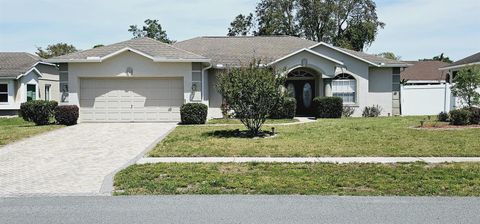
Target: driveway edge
point(107, 185)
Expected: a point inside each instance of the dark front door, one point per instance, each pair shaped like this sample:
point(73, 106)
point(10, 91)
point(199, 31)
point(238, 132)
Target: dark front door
point(304, 92)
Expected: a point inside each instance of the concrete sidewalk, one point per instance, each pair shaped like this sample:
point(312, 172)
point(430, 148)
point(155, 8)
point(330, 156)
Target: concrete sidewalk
point(306, 159)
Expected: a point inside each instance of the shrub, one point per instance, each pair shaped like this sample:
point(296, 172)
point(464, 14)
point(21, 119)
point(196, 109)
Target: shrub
point(348, 111)
point(474, 115)
point(251, 92)
point(285, 109)
point(328, 107)
point(442, 116)
point(66, 114)
point(194, 113)
point(460, 117)
point(373, 111)
point(38, 111)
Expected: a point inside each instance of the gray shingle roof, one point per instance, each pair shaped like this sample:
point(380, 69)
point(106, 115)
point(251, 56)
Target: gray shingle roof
point(424, 70)
point(237, 51)
point(468, 60)
point(13, 64)
point(151, 47)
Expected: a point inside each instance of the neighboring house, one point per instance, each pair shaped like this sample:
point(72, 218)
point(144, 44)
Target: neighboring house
point(25, 77)
point(452, 70)
point(425, 90)
point(143, 80)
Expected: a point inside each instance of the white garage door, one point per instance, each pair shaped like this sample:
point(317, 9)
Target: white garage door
point(131, 100)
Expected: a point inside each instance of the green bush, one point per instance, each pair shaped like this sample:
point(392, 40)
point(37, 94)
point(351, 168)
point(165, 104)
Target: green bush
point(66, 114)
point(475, 115)
point(285, 109)
point(194, 113)
point(328, 107)
point(40, 112)
point(373, 111)
point(442, 116)
point(460, 117)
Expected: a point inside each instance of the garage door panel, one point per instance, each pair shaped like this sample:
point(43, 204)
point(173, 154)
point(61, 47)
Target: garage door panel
point(131, 100)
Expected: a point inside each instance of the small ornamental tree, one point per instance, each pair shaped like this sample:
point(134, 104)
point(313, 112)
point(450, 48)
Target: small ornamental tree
point(251, 92)
point(467, 84)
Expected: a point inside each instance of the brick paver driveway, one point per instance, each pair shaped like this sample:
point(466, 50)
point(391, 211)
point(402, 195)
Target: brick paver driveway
point(77, 160)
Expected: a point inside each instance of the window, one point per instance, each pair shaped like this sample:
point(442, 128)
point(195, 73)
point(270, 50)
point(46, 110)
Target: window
point(344, 86)
point(47, 92)
point(3, 93)
point(396, 83)
point(31, 92)
point(197, 85)
point(64, 86)
point(396, 71)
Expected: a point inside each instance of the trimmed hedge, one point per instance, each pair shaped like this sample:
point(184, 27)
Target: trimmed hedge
point(475, 115)
point(194, 113)
point(460, 117)
point(40, 112)
point(66, 114)
point(285, 109)
point(328, 107)
point(442, 116)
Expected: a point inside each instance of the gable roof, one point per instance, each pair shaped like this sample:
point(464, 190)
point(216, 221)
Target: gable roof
point(241, 50)
point(470, 60)
point(15, 64)
point(424, 71)
point(147, 47)
point(308, 51)
point(370, 59)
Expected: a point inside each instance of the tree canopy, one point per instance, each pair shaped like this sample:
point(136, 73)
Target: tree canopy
point(440, 57)
point(351, 24)
point(152, 29)
point(389, 55)
point(466, 85)
point(55, 50)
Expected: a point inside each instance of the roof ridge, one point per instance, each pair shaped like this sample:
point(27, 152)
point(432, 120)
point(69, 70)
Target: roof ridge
point(171, 45)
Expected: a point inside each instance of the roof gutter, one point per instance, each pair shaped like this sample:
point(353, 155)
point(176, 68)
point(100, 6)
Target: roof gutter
point(458, 66)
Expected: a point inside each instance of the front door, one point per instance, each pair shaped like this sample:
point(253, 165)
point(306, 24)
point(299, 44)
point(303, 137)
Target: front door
point(304, 92)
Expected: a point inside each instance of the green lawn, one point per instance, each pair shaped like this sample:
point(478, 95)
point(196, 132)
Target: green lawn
point(13, 129)
point(386, 136)
point(460, 179)
point(236, 121)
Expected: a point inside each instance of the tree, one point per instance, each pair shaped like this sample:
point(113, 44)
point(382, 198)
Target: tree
point(276, 17)
point(389, 55)
point(152, 29)
point(241, 25)
point(466, 85)
point(55, 50)
point(252, 92)
point(350, 24)
point(98, 45)
point(440, 57)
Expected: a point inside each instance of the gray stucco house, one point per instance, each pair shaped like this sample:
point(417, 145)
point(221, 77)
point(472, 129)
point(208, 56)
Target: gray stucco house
point(25, 77)
point(143, 80)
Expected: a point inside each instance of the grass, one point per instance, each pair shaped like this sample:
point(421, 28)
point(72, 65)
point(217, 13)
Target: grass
point(14, 129)
point(236, 121)
point(386, 136)
point(413, 179)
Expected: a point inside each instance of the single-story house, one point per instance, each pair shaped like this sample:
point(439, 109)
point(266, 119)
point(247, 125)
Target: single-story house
point(25, 77)
point(143, 80)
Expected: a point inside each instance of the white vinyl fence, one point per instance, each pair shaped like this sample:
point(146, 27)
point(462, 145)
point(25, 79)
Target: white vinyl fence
point(426, 99)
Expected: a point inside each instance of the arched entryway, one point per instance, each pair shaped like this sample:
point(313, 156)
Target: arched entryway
point(301, 84)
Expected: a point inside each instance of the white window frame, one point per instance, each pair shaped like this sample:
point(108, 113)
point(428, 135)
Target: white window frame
point(348, 78)
point(8, 95)
point(37, 94)
point(47, 92)
point(199, 84)
point(64, 96)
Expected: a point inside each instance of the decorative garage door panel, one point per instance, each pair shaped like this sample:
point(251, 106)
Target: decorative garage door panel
point(131, 100)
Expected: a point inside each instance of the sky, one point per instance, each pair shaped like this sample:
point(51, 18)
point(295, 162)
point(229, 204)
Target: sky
point(414, 29)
